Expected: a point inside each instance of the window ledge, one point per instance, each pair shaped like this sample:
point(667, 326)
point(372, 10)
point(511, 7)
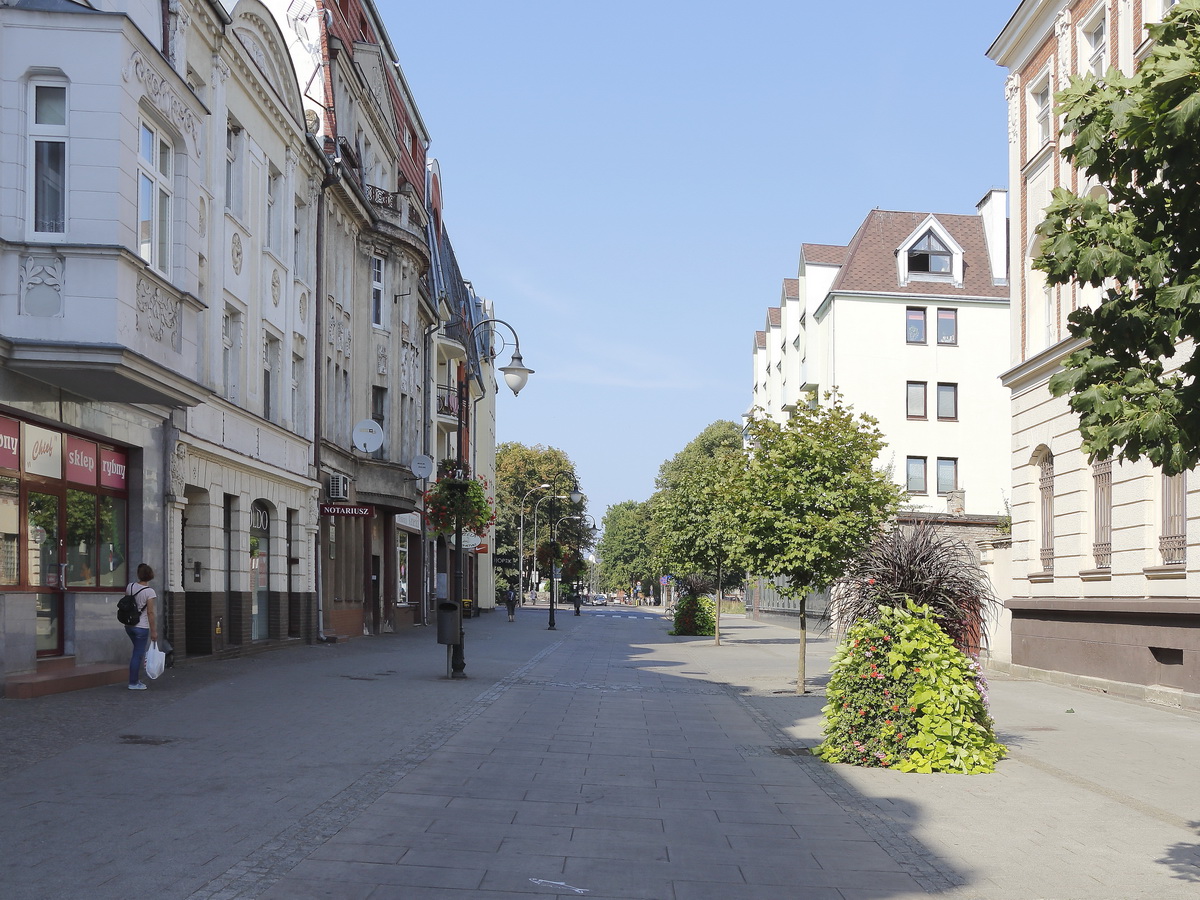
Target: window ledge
point(1040, 577)
point(1095, 575)
point(1162, 573)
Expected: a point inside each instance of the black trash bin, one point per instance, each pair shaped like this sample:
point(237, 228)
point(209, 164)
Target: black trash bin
point(449, 622)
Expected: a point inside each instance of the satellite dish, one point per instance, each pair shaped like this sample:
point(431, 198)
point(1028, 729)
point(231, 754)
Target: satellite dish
point(367, 436)
point(421, 466)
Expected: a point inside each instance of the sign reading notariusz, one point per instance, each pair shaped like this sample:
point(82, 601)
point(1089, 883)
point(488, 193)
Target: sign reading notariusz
point(345, 509)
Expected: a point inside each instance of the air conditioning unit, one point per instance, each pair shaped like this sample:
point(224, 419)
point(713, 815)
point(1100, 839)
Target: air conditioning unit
point(339, 486)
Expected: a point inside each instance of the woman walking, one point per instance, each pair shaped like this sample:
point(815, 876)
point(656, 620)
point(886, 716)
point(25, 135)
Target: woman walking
point(146, 630)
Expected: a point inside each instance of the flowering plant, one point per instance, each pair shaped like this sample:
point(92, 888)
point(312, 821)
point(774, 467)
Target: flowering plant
point(902, 696)
point(465, 498)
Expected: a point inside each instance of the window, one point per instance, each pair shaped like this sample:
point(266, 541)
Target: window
point(10, 530)
point(915, 473)
point(929, 255)
point(1102, 494)
point(379, 405)
point(947, 402)
point(298, 405)
point(1046, 498)
point(377, 290)
point(916, 400)
point(1173, 542)
point(271, 377)
point(49, 133)
point(231, 344)
point(301, 252)
point(274, 211)
point(1094, 35)
point(914, 331)
point(1040, 96)
point(155, 157)
point(233, 168)
point(947, 475)
point(947, 326)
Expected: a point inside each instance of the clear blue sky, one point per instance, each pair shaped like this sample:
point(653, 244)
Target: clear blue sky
point(630, 182)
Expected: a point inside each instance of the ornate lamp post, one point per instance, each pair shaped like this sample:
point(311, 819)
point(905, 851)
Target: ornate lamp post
point(515, 375)
point(575, 496)
point(521, 539)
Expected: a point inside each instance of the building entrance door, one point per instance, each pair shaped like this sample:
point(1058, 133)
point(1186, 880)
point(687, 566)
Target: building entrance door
point(260, 569)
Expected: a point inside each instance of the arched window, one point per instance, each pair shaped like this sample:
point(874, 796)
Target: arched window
point(1046, 505)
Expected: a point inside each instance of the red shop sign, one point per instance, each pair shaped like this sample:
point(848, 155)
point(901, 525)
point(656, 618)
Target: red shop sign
point(81, 461)
point(112, 470)
point(10, 443)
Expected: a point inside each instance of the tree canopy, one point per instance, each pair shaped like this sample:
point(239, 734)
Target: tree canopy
point(625, 555)
point(1134, 383)
point(692, 518)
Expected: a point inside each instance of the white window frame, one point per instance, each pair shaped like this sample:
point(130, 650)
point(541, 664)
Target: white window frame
point(299, 419)
point(234, 153)
point(1093, 42)
point(54, 134)
point(930, 227)
point(378, 268)
point(272, 368)
point(273, 239)
point(155, 195)
point(231, 352)
point(1041, 113)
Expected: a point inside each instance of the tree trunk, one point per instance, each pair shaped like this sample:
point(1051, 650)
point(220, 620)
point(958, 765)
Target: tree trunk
point(801, 687)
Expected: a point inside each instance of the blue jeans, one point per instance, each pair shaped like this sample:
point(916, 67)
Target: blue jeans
point(141, 642)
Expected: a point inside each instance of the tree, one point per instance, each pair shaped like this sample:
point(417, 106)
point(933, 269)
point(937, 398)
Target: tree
point(807, 498)
point(691, 514)
point(519, 470)
point(1136, 137)
point(625, 555)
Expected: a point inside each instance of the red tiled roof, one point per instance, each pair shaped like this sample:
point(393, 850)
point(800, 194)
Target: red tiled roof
point(823, 254)
point(791, 288)
point(773, 315)
point(870, 261)
point(760, 339)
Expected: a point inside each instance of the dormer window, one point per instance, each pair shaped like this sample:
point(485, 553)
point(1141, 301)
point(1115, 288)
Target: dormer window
point(929, 255)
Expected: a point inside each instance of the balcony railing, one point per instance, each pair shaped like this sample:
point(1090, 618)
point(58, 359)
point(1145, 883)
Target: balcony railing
point(382, 198)
point(447, 400)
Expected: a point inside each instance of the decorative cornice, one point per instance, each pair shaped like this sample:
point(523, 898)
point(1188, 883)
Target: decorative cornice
point(165, 100)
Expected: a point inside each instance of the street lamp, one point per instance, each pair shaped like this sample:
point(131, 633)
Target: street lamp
point(535, 531)
point(553, 554)
point(575, 496)
point(521, 540)
point(515, 375)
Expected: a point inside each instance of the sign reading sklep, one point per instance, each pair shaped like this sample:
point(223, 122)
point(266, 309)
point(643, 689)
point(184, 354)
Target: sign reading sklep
point(345, 509)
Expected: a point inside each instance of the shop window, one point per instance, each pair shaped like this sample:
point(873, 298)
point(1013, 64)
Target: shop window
point(10, 523)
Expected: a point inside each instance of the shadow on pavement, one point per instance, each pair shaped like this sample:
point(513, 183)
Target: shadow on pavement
point(1184, 859)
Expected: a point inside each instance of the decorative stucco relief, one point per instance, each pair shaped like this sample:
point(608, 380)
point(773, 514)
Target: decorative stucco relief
point(165, 100)
point(235, 253)
point(158, 313)
point(1012, 93)
point(381, 359)
point(41, 287)
point(275, 287)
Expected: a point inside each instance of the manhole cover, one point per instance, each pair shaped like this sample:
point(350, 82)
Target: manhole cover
point(791, 751)
point(143, 739)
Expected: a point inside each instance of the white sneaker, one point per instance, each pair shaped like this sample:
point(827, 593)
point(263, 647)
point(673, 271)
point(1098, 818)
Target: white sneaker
point(137, 687)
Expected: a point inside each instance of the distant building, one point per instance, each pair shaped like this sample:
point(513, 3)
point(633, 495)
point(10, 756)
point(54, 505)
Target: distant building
point(908, 322)
point(1104, 578)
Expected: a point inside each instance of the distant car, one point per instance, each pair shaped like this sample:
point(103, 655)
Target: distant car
point(600, 600)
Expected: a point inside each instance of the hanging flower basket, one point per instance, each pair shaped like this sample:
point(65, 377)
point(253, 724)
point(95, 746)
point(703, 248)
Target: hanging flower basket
point(464, 498)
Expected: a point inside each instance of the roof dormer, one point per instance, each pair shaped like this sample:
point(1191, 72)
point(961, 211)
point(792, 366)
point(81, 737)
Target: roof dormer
point(929, 253)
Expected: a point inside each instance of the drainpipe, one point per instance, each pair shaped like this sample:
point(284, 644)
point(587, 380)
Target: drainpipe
point(333, 175)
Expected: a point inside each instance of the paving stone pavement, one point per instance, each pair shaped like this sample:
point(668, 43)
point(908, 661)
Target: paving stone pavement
point(605, 759)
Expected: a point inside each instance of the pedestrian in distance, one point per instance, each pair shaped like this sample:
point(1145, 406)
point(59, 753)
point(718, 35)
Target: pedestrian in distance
point(510, 600)
point(146, 630)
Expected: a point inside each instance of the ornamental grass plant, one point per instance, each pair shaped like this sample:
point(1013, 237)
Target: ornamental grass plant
point(924, 563)
point(902, 696)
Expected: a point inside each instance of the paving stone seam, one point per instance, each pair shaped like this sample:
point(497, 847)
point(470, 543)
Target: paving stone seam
point(916, 860)
point(608, 687)
point(277, 856)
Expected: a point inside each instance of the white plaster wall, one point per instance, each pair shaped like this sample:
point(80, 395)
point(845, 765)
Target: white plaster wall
point(872, 365)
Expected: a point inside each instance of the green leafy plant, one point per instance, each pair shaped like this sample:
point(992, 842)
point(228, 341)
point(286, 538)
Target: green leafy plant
point(449, 499)
point(695, 616)
point(902, 696)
